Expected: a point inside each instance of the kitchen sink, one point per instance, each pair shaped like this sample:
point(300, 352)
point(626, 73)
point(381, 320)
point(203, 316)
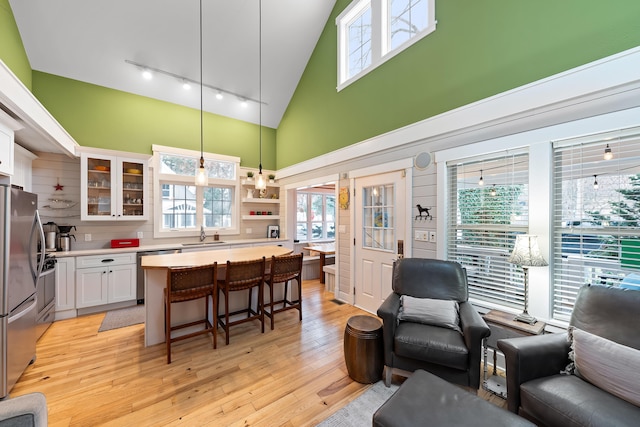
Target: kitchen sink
point(203, 243)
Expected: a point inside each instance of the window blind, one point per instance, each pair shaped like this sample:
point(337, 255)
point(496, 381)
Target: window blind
point(488, 202)
point(596, 214)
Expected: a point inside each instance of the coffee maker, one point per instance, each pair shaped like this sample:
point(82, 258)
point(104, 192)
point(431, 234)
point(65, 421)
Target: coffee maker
point(50, 236)
point(65, 237)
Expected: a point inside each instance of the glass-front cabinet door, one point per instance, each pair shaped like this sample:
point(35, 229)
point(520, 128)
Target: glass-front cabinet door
point(131, 194)
point(99, 180)
point(113, 188)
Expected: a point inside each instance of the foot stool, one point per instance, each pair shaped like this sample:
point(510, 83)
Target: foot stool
point(427, 400)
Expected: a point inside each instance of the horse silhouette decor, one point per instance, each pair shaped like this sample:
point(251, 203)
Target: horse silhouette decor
point(424, 211)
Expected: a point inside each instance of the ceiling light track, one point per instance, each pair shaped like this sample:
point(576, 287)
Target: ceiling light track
point(184, 79)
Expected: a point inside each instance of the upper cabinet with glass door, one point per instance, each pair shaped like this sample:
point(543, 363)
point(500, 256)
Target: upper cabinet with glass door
point(113, 187)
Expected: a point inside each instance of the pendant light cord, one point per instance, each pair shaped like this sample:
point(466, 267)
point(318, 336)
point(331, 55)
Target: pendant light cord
point(201, 103)
point(260, 79)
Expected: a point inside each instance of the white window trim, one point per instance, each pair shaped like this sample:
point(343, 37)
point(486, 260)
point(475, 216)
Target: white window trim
point(159, 178)
point(380, 51)
point(324, 193)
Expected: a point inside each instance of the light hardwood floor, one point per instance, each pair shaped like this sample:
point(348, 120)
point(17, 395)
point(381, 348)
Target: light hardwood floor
point(292, 376)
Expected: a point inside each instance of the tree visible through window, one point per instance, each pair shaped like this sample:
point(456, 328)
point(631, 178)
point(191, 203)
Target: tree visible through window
point(489, 206)
point(596, 215)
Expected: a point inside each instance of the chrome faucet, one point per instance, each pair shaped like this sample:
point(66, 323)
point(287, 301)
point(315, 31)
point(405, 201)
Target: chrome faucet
point(202, 235)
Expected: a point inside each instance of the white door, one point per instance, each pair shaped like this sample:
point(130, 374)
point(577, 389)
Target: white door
point(380, 229)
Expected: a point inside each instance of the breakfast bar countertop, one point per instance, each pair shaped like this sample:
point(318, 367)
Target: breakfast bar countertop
point(159, 247)
point(221, 256)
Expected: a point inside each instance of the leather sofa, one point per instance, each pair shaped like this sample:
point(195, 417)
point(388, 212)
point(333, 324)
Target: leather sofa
point(536, 388)
point(452, 355)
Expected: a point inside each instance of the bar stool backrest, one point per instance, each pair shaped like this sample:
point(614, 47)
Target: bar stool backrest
point(285, 268)
point(244, 274)
point(191, 282)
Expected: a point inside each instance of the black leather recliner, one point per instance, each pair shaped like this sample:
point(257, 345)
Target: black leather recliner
point(535, 388)
point(409, 346)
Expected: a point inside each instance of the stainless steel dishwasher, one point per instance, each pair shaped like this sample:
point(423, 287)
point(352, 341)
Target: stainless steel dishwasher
point(140, 271)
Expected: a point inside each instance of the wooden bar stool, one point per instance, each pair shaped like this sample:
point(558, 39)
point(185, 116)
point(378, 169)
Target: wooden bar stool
point(240, 276)
point(187, 284)
point(283, 270)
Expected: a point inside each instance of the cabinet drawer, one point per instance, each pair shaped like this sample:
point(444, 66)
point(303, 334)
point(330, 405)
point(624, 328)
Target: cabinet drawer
point(105, 260)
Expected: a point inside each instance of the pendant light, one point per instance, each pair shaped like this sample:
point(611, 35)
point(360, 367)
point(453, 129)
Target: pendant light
point(261, 183)
point(608, 154)
point(202, 178)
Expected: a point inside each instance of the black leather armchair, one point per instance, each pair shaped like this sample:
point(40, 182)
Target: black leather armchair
point(409, 346)
point(535, 388)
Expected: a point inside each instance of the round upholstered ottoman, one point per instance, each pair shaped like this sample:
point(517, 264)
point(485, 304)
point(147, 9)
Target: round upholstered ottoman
point(363, 349)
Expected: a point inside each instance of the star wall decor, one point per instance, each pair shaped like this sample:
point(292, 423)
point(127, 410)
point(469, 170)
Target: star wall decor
point(58, 187)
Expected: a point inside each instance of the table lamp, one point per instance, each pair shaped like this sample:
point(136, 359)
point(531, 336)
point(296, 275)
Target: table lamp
point(526, 253)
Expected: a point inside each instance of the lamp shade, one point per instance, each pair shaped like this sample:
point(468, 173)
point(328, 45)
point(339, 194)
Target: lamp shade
point(526, 252)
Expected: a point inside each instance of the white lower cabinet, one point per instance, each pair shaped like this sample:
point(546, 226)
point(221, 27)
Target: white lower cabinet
point(105, 279)
point(65, 288)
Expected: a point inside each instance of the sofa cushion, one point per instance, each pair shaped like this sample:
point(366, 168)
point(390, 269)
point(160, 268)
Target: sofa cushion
point(433, 344)
point(610, 366)
point(437, 312)
point(568, 401)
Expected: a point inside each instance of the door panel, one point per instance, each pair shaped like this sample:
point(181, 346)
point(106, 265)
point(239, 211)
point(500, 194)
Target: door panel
point(380, 226)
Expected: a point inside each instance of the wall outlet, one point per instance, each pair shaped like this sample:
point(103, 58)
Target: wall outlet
point(421, 235)
point(140, 234)
point(249, 230)
point(87, 237)
point(432, 236)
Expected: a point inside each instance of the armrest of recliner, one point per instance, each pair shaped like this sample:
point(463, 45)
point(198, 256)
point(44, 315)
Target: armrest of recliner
point(474, 330)
point(28, 409)
point(388, 312)
point(532, 357)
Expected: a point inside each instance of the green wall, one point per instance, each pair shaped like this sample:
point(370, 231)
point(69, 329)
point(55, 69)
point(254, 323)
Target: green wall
point(480, 48)
point(106, 118)
point(12, 50)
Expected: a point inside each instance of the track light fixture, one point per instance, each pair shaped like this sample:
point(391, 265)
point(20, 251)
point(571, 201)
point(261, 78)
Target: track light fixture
point(608, 155)
point(148, 72)
point(481, 180)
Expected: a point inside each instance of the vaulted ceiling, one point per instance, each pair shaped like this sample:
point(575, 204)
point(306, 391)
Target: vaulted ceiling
point(90, 41)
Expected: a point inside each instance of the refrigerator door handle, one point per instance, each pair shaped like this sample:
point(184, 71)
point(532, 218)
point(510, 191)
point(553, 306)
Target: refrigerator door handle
point(27, 307)
point(37, 227)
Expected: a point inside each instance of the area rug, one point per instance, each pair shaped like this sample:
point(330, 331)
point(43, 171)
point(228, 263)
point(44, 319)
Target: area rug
point(359, 412)
point(120, 318)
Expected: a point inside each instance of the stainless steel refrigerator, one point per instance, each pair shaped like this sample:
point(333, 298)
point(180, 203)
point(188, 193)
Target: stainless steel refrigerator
point(23, 253)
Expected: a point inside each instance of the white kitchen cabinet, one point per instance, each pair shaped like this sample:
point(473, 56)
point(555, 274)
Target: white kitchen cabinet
point(65, 288)
point(113, 187)
point(105, 279)
point(22, 169)
point(6, 150)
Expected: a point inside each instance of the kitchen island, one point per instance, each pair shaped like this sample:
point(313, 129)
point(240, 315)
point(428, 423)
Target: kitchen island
point(155, 272)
